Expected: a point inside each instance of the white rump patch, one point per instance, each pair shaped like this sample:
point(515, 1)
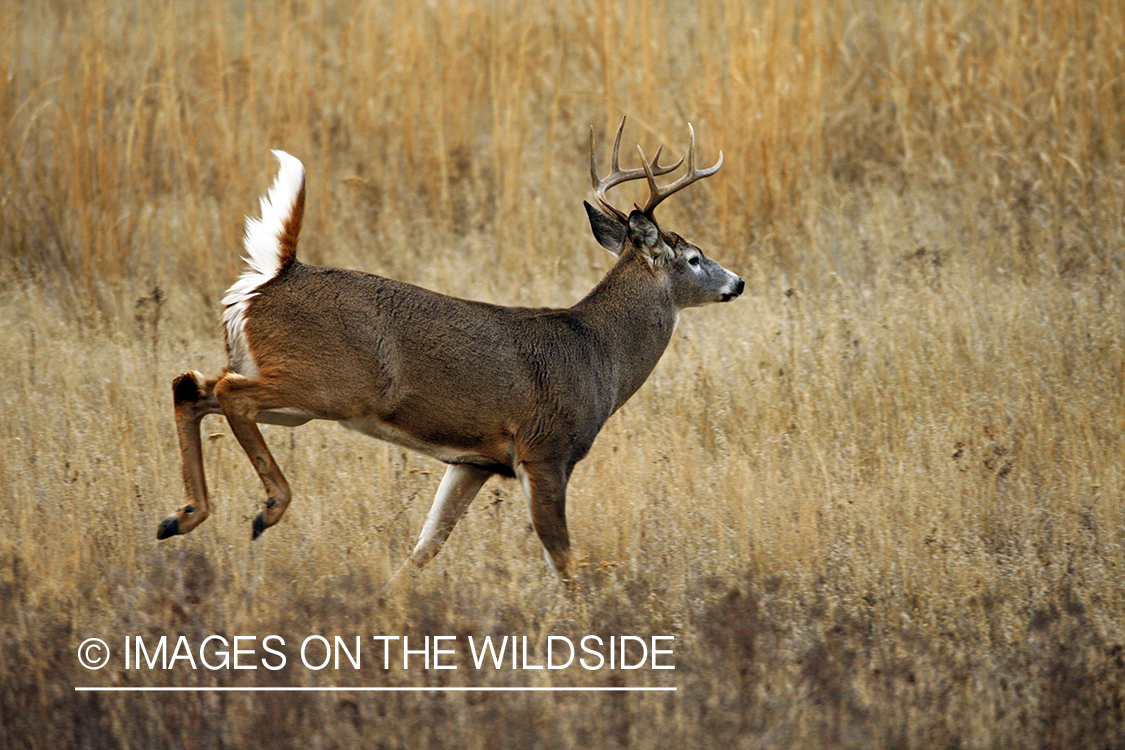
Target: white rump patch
point(264, 258)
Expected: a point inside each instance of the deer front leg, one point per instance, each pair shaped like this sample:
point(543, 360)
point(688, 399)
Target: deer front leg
point(241, 399)
point(544, 484)
point(458, 487)
point(194, 398)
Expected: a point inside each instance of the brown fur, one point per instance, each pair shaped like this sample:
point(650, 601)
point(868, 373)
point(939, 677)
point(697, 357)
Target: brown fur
point(287, 240)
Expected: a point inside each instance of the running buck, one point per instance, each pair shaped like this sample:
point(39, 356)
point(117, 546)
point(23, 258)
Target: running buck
point(520, 392)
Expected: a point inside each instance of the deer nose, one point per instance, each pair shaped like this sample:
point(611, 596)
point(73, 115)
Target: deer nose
point(727, 296)
point(738, 287)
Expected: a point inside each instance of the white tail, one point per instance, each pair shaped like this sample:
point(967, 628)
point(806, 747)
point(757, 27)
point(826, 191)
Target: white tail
point(486, 389)
point(271, 245)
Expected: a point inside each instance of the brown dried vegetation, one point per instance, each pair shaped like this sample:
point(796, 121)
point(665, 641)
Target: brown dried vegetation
point(878, 500)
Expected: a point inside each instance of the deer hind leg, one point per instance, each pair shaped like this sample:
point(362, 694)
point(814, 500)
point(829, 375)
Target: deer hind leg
point(545, 488)
point(241, 399)
point(194, 398)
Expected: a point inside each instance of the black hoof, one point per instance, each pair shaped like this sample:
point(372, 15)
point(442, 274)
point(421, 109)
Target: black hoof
point(259, 526)
point(168, 527)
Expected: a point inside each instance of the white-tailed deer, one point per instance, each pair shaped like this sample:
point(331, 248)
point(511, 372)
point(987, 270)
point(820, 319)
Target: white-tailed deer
point(520, 392)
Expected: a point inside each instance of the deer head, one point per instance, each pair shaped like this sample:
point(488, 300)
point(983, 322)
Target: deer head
point(695, 279)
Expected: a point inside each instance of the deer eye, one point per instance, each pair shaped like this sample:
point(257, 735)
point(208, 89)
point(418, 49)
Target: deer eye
point(693, 260)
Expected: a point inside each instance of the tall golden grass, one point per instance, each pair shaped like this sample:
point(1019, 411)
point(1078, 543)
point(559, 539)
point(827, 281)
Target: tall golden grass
point(878, 500)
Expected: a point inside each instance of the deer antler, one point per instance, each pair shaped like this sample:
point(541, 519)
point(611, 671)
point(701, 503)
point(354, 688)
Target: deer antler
point(619, 175)
point(657, 193)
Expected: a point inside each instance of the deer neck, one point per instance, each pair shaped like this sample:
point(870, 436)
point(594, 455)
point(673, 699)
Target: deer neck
point(631, 313)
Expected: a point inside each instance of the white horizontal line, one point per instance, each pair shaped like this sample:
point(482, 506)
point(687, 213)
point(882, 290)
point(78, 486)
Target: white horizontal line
point(373, 689)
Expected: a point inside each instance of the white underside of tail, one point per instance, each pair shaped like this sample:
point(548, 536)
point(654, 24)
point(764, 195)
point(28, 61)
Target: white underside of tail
point(263, 259)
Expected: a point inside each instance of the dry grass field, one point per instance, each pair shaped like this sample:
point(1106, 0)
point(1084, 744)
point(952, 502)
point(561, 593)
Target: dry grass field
point(879, 501)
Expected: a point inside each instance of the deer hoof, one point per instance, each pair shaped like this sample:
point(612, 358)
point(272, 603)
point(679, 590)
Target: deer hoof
point(168, 527)
point(259, 526)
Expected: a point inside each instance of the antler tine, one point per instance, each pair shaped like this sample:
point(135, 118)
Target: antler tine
point(617, 145)
point(619, 175)
point(657, 193)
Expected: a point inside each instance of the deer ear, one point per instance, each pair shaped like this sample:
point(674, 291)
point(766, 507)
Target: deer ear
point(609, 232)
point(643, 231)
point(645, 236)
